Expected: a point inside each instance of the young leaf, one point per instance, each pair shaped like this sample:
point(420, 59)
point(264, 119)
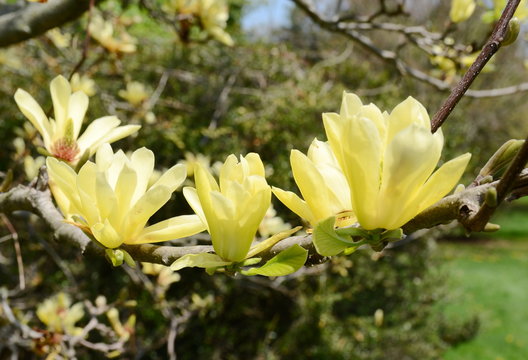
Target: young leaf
point(204, 260)
point(327, 242)
point(284, 263)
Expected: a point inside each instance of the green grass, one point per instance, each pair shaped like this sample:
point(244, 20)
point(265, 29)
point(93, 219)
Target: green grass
point(489, 278)
point(491, 282)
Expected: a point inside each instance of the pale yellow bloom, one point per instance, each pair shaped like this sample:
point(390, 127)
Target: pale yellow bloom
point(322, 184)
point(213, 15)
point(59, 39)
point(59, 315)
point(103, 32)
point(111, 198)
point(33, 165)
point(461, 10)
point(388, 160)
point(165, 275)
point(61, 135)
point(83, 83)
point(234, 209)
point(135, 93)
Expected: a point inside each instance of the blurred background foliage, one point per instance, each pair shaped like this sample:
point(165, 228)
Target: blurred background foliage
point(194, 95)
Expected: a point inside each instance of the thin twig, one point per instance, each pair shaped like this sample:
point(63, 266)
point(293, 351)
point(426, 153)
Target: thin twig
point(18, 252)
point(490, 48)
point(86, 43)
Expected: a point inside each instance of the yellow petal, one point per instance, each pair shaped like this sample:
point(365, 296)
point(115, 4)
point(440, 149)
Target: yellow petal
point(408, 111)
point(142, 161)
point(443, 181)
point(144, 208)
point(106, 235)
point(106, 199)
point(62, 183)
point(312, 185)
point(77, 109)
point(86, 188)
point(191, 196)
point(173, 228)
point(95, 132)
point(256, 167)
point(350, 105)
point(361, 165)
point(32, 110)
point(295, 204)
point(173, 177)
point(60, 95)
point(410, 159)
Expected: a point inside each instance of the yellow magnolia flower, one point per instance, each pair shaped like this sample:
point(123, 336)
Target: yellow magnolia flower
point(461, 10)
point(232, 211)
point(388, 160)
point(322, 184)
point(103, 32)
point(83, 83)
point(111, 198)
point(61, 135)
point(135, 93)
point(59, 39)
point(59, 315)
point(213, 16)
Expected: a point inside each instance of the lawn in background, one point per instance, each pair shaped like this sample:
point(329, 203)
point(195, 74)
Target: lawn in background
point(488, 277)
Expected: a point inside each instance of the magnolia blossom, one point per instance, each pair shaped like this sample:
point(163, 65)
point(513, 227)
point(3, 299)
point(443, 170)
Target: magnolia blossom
point(322, 184)
point(461, 10)
point(83, 83)
point(135, 93)
point(61, 135)
point(213, 15)
point(103, 32)
point(233, 210)
point(60, 315)
point(389, 159)
point(111, 198)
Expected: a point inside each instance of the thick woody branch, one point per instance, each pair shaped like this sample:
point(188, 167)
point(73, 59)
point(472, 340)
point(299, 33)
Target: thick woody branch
point(461, 206)
point(18, 24)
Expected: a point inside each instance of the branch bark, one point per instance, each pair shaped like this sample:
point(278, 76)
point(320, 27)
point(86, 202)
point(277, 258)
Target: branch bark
point(18, 24)
point(461, 206)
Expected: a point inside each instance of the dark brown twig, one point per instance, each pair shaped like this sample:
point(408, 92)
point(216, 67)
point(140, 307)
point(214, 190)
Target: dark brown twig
point(490, 48)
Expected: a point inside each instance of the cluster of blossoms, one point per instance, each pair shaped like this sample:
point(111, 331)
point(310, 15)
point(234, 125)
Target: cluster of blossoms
point(375, 173)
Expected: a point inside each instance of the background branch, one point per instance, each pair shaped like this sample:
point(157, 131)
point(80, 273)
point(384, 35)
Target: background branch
point(18, 24)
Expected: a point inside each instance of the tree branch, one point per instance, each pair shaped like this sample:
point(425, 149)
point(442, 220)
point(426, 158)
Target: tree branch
point(490, 48)
point(461, 206)
point(22, 23)
point(350, 30)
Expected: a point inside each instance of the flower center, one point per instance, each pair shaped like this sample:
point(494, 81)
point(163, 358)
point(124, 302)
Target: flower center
point(65, 149)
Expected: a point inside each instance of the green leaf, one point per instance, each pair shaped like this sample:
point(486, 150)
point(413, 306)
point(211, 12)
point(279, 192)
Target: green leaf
point(128, 259)
point(327, 242)
point(204, 260)
point(284, 263)
point(392, 235)
point(351, 231)
point(250, 261)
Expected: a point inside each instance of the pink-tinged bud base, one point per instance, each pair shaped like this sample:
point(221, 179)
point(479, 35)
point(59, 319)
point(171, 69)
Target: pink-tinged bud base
point(66, 150)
